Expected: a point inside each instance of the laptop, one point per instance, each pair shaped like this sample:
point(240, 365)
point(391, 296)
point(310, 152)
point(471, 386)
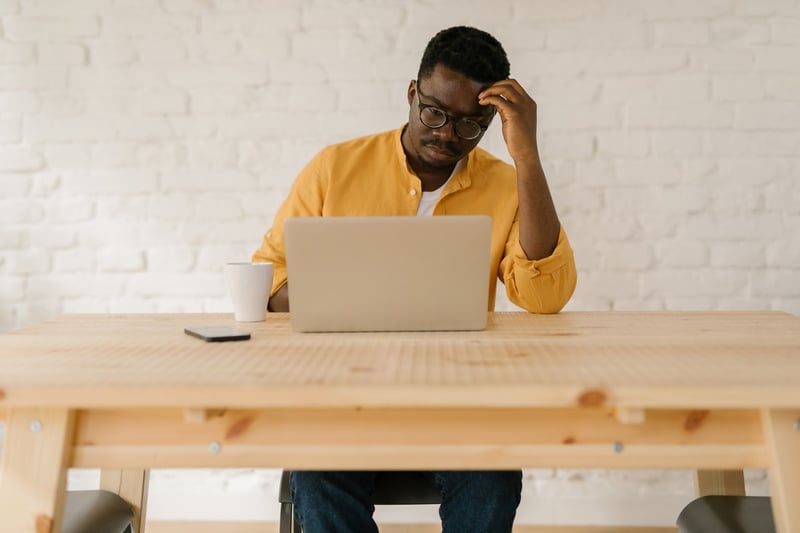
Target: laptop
point(397, 273)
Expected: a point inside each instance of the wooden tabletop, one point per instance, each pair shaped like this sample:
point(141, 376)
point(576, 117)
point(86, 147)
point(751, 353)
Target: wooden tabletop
point(642, 359)
point(600, 390)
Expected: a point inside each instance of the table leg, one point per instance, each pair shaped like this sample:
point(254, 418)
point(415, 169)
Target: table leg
point(782, 436)
point(131, 485)
point(34, 469)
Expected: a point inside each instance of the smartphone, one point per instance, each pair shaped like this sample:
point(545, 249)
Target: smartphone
point(217, 333)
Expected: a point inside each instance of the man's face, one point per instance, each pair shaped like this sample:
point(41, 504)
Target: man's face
point(457, 96)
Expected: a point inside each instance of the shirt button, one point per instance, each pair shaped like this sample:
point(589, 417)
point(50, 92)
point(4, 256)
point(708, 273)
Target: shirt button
point(413, 192)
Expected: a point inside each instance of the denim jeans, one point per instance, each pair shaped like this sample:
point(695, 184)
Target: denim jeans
point(339, 502)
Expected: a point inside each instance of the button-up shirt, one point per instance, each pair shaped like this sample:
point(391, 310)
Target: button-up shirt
point(370, 176)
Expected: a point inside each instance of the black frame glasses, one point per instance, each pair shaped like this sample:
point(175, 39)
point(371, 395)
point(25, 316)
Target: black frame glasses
point(465, 128)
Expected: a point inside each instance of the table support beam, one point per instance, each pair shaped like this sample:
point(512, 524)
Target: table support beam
point(417, 439)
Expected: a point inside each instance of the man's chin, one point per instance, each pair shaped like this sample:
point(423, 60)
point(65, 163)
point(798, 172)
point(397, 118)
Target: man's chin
point(437, 164)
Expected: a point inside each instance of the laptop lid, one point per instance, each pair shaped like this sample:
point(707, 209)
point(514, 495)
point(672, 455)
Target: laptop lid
point(398, 273)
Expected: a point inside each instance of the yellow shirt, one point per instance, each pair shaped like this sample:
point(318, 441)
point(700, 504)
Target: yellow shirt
point(369, 176)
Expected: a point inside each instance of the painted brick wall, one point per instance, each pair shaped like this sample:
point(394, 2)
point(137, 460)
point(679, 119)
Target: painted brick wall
point(143, 143)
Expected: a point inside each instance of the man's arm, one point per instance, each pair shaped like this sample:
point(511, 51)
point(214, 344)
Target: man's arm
point(305, 199)
point(279, 302)
point(538, 221)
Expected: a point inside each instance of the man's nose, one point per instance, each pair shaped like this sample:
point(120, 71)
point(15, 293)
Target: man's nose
point(447, 132)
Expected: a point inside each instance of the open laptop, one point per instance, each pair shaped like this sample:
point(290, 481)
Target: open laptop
point(400, 273)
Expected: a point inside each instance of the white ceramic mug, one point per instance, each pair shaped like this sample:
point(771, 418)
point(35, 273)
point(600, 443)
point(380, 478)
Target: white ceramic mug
point(249, 285)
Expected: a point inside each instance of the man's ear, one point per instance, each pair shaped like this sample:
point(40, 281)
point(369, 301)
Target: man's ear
point(412, 91)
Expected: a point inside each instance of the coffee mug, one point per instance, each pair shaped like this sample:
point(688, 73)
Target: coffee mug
point(249, 285)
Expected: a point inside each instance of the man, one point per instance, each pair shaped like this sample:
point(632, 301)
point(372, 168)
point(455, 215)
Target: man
point(432, 166)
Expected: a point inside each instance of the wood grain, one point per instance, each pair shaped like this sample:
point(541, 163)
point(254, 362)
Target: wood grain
point(637, 360)
point(408, 438)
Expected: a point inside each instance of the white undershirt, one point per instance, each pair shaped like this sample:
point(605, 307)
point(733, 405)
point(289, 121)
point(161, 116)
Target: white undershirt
point(429, 198)
point(428, 201)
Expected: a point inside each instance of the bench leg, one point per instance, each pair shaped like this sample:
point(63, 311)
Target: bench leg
point(720, 483)
point(131, 485)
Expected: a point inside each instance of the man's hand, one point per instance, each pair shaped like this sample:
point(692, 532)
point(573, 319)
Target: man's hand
point(538, 221)
point(518, 115)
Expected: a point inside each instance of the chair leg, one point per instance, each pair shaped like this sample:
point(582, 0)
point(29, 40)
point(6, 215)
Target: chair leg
point(286, 518)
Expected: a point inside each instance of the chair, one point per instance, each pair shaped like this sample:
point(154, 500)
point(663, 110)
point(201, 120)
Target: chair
point(96, 511)
point(727, 514)
point(391, 488)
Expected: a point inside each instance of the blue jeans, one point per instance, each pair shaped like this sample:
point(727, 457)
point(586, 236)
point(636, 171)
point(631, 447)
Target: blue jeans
point(339, 502)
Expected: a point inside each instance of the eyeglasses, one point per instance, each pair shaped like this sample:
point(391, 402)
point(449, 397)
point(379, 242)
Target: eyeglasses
point(434, 118)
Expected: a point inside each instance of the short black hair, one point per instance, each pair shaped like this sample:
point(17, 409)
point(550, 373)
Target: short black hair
point(470, 51)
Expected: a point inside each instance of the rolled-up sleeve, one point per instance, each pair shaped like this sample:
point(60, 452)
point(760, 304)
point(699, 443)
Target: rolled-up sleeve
point(542, 285)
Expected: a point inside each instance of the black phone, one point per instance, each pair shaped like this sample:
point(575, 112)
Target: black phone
point(217, 333)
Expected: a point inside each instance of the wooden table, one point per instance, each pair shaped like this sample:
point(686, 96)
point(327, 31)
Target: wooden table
point(607, 390)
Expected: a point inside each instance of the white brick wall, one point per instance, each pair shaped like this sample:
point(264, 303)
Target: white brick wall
point(145, 143)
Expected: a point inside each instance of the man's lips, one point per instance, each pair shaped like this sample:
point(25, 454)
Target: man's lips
point(440, 152)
